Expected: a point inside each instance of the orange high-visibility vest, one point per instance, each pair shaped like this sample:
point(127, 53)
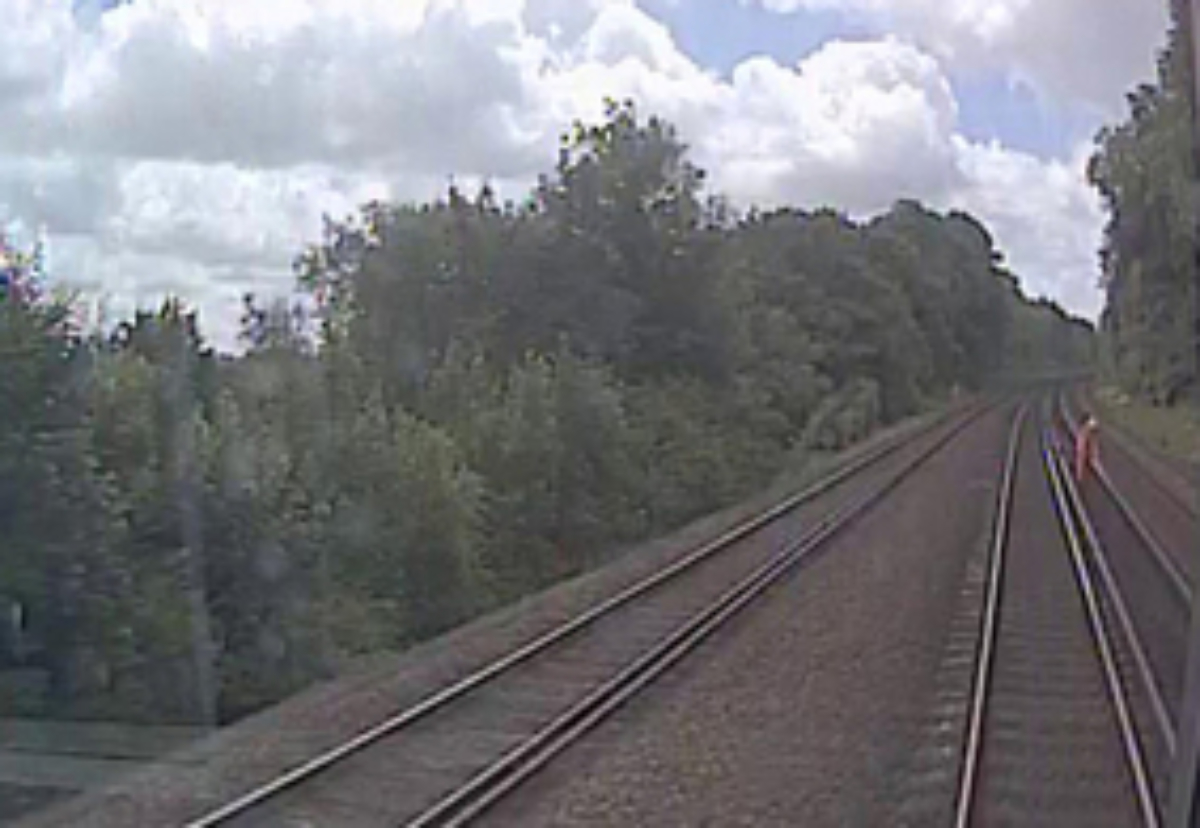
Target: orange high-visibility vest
point(1086, 442)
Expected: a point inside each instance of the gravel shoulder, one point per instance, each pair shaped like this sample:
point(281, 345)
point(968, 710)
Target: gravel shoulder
point(235, 759)
point(807, 710)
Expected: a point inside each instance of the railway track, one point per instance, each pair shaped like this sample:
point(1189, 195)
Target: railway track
point(1051, 737)
point(451, 756)
point(1149, 594)
point(1139, 454)
point(1171, 566)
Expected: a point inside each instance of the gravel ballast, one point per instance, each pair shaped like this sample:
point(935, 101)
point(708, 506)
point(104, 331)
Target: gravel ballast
point(808, 709)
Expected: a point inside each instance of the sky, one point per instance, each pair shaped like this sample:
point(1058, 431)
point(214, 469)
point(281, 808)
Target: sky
point(192, 147)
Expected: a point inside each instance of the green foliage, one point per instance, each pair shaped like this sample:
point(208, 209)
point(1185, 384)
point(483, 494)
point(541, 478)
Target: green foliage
point(1045, 338)
point(687, 452)
point(1143, 169)
point(497, 398)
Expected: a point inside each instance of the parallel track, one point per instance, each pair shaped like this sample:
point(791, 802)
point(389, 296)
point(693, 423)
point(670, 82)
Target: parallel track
point(1051, 738)
point(525, 689)
point(1170, 567)
point(1167, 491)
point(1149, 597)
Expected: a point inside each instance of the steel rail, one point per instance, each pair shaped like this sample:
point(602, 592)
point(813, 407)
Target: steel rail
point(293, 777)
point(499, 780)
point(988, 629)
point(1181, 586)
point(1143, 448)
point(1162, 717)
point(1134, 758)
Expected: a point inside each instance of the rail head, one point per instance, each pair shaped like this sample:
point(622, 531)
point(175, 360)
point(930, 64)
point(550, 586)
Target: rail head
point(1101, 637)
point(973, 743)
point(1141, 661)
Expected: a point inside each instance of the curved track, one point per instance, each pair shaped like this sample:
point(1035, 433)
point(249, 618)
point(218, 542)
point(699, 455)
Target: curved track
point(446, 759)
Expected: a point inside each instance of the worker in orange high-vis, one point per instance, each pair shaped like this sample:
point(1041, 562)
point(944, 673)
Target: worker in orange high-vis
point(1087, 447)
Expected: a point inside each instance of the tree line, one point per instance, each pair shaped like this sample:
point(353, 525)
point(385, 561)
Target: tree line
point(465, 401)
point(1143, 169)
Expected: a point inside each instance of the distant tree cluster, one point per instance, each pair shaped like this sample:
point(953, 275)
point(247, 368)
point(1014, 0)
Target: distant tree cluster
point(498, 396)
point(1143, 170)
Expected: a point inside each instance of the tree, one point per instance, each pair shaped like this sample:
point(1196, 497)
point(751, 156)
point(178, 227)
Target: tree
point(1142, 168)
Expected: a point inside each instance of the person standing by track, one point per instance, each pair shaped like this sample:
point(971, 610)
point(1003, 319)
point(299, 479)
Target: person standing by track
point(1087, 447)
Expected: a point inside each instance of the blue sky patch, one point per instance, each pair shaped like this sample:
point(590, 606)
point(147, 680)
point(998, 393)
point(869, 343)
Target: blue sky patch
point(1019, 118)
point(719, 34)
point(88, 11)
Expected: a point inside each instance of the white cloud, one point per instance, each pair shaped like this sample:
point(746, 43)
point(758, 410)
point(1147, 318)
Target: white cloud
point(1042, 214)
point(1080, 51)
point(193, 145)
point(622, 32)
point(57, 191)
point(857, 125)
point(209, 233)
point(283, 83)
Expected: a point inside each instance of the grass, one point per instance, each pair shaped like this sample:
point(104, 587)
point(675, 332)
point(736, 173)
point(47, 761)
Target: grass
point(1174, 432)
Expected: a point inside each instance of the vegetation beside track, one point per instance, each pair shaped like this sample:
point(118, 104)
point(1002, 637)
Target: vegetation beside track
point(468, 401)
point(1142, 168)
point(1172, 431)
